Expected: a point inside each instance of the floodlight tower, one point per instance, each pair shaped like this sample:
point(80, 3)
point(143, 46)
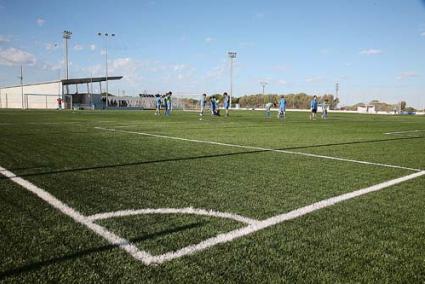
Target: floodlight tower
point(66, 37)
point(232, 55)
point(263, 84)
point(21, 78)
point(106, 35)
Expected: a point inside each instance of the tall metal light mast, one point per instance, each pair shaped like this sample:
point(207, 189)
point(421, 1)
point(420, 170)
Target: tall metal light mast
point(232, 55)
point(21, 78)
point(263, 84)
point(66, 37)
point(106, 35)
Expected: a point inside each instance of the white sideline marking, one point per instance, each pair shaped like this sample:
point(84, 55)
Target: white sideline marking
point(189, 210)
point(232, 235)
point(124, 244)
point(148, 259)
point(261, 149)
point(401, 132)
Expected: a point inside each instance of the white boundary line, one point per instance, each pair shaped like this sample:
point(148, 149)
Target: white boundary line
point(401, 132)
point(124, 244)
point(260, 149)
point(232, 235)
point(148, 259)
point(188, 210)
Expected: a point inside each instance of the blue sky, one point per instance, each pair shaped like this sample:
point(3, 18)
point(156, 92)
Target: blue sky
point(375, 49)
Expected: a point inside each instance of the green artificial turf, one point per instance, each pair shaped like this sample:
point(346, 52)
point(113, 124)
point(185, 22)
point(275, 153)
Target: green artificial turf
point(374, 238)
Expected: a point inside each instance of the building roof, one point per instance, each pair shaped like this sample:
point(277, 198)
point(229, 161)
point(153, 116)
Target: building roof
point(69, 81)
point(89, 80)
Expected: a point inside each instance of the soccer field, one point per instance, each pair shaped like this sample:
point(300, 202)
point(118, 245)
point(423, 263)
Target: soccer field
point(125, 196)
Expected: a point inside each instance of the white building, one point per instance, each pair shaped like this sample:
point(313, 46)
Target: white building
point(45, 95)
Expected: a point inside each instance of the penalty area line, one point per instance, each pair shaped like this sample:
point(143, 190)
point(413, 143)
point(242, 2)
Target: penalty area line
point(238, 233)
point(188, 210)
point(259, 149)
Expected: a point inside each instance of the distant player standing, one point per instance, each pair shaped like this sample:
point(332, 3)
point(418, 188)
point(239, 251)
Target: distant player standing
point(169, 103)
point(158, 104)
point(226, 102)
point(165, 102)
point(325, 110)
point(282, 108)
point(313, 107)
point(203, 102)
point(267, 112)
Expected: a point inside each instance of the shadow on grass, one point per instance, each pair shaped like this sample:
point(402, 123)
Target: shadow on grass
point(37, 265)
point(208, 156)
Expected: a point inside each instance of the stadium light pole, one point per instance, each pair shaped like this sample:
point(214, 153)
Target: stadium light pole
point(263, 84)
point(106, 35)
point(21, 78)
point(232, 55)
point(66, 37)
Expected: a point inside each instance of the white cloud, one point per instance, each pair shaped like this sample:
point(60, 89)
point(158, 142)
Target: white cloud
point(40, 22)
point(127, 67)
point(92, 47)
point(13, 56)
point(51, 46)
point(209, 40)
point(53, 67)
point(282, 82)
point(78, 47)
point(179, 67)
point(4, 39)
point(216, 72)
point(313, 79)
point(371, 51)
point(423, 34)
point(102, 52)
point(406, 75)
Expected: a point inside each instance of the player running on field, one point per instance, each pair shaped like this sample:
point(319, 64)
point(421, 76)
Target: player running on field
point(282, 108)
point(313, 107)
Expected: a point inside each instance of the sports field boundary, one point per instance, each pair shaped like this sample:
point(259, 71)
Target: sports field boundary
point(258, 148)
point(403, 132)
point(148, 259)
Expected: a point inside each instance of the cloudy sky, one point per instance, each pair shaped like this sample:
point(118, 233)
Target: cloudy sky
point(374, 49)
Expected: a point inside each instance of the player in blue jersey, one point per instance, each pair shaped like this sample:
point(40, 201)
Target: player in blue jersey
point(313, 107)
point(282, 108)
point(214, 109)
point(169, 103)
point(158, 104)
point(165, 104)
point(226, 103)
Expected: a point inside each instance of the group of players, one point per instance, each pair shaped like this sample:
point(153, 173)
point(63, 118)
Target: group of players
point(166, 101)
point(314, 104)
point(215, 110)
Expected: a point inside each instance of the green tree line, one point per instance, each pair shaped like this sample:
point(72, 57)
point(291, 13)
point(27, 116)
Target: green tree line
point(297, 101)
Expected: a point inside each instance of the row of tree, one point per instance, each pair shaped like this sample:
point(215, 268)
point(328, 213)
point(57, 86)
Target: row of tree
point(296, 101)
